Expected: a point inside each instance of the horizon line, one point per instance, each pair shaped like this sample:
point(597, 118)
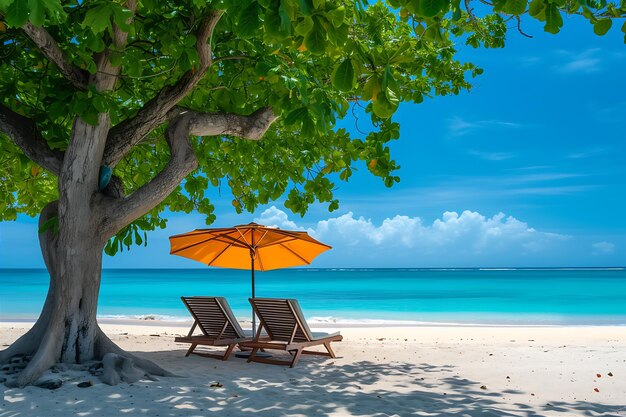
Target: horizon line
point(484, 268)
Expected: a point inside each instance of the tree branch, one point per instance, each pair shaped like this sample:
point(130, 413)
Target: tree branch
point(182, 160)
point(124, 136)
point(251, 127)
point(25, 135)
point(50, 49)
point(107, 74)
point(519, 27)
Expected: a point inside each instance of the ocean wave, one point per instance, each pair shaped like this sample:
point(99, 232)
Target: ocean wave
point(340, 320)
point(143, 317)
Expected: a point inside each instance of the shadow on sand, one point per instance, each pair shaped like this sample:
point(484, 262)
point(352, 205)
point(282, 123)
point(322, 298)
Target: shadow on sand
point(314, 388)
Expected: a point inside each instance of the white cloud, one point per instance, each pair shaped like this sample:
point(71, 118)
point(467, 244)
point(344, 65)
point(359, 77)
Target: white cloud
point(587, 153)
point(454, 238)
point(275, 218)
point(492, 156)
point(460, 127)
point(603, 248)
point(584, 62)
point(581, 65)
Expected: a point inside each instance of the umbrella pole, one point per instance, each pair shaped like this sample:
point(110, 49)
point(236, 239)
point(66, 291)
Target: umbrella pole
point(253, 315)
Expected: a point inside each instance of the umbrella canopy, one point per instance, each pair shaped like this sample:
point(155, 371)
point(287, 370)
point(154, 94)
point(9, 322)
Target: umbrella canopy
point(251, 246)
point(268, 247)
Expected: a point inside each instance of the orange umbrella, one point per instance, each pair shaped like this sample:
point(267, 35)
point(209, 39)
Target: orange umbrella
point(250, 246)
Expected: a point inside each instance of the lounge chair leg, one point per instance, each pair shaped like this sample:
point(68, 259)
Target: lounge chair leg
point(230, 349)
point(330, 351)
point(296, 357)
point(251, 357)
point(190, 351)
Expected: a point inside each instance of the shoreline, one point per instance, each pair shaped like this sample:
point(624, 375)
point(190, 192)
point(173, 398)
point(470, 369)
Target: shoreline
point(370, 325)
point(156, 321)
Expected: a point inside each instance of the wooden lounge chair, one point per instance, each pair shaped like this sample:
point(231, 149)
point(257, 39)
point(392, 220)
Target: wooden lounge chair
point(213, 316)
point(286, 329)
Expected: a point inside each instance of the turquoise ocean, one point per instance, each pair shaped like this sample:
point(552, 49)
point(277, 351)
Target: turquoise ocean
point(360, 296)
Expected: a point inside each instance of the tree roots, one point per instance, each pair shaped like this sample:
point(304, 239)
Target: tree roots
point(117, 364)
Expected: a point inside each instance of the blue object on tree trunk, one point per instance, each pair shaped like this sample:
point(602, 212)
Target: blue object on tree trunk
point(105, 177)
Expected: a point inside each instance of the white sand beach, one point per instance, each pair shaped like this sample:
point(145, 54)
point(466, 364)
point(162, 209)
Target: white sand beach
point(393, 371)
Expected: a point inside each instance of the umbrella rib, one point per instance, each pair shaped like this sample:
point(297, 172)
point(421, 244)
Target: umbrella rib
point(262, 237)
point(192, 245)
point(261, 267)
point(297, 254)
point(205, 241)
point(220, 254)
point(243, 237)
point(295, 238)
point(232, 243)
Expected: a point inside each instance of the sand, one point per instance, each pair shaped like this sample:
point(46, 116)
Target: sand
point(393, 371)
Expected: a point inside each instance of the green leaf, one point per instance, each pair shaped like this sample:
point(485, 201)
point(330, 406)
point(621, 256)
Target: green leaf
point(371, 88)
point(430, 8)
point(386, 104)
point(4, 4)
point(456, 14)
point(51, 223)
point(433, 33)
point(536, 7)
point(112, 246)
point(54, 11)
point(100, 104)
point(297, 115)
point(285, 22)
point(304, 27)
point(515, 7)
point(306, 7)
point(98, 18)
point(37, 12)
point(498, 5)
point(262, 68)
point(343, 76)
point(338, 35)
point(315, 41)
point(554, 20)
point(17, 13)
point(602, 26)
point(138, 239)
point(337, 16)
point(318, 4)
point(308, 127)
point(248, 22)
point(272, 25)
point(121, 16)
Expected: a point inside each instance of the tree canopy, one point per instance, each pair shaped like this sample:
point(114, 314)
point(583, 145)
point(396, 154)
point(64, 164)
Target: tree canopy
point(305, 61)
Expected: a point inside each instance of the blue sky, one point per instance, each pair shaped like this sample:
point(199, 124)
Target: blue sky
point(525, 170)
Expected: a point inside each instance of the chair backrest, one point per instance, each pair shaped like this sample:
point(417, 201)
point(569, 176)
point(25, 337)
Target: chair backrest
point(211, 313)
point(281, 317)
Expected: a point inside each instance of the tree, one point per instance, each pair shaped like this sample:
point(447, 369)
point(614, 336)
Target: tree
point(175, 96)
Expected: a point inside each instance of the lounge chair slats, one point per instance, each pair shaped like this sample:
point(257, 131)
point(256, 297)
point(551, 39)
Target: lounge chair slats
point(286, 329)
point(216, 321)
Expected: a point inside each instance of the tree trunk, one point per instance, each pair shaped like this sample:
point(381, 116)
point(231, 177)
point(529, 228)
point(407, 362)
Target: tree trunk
point(66, 330)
